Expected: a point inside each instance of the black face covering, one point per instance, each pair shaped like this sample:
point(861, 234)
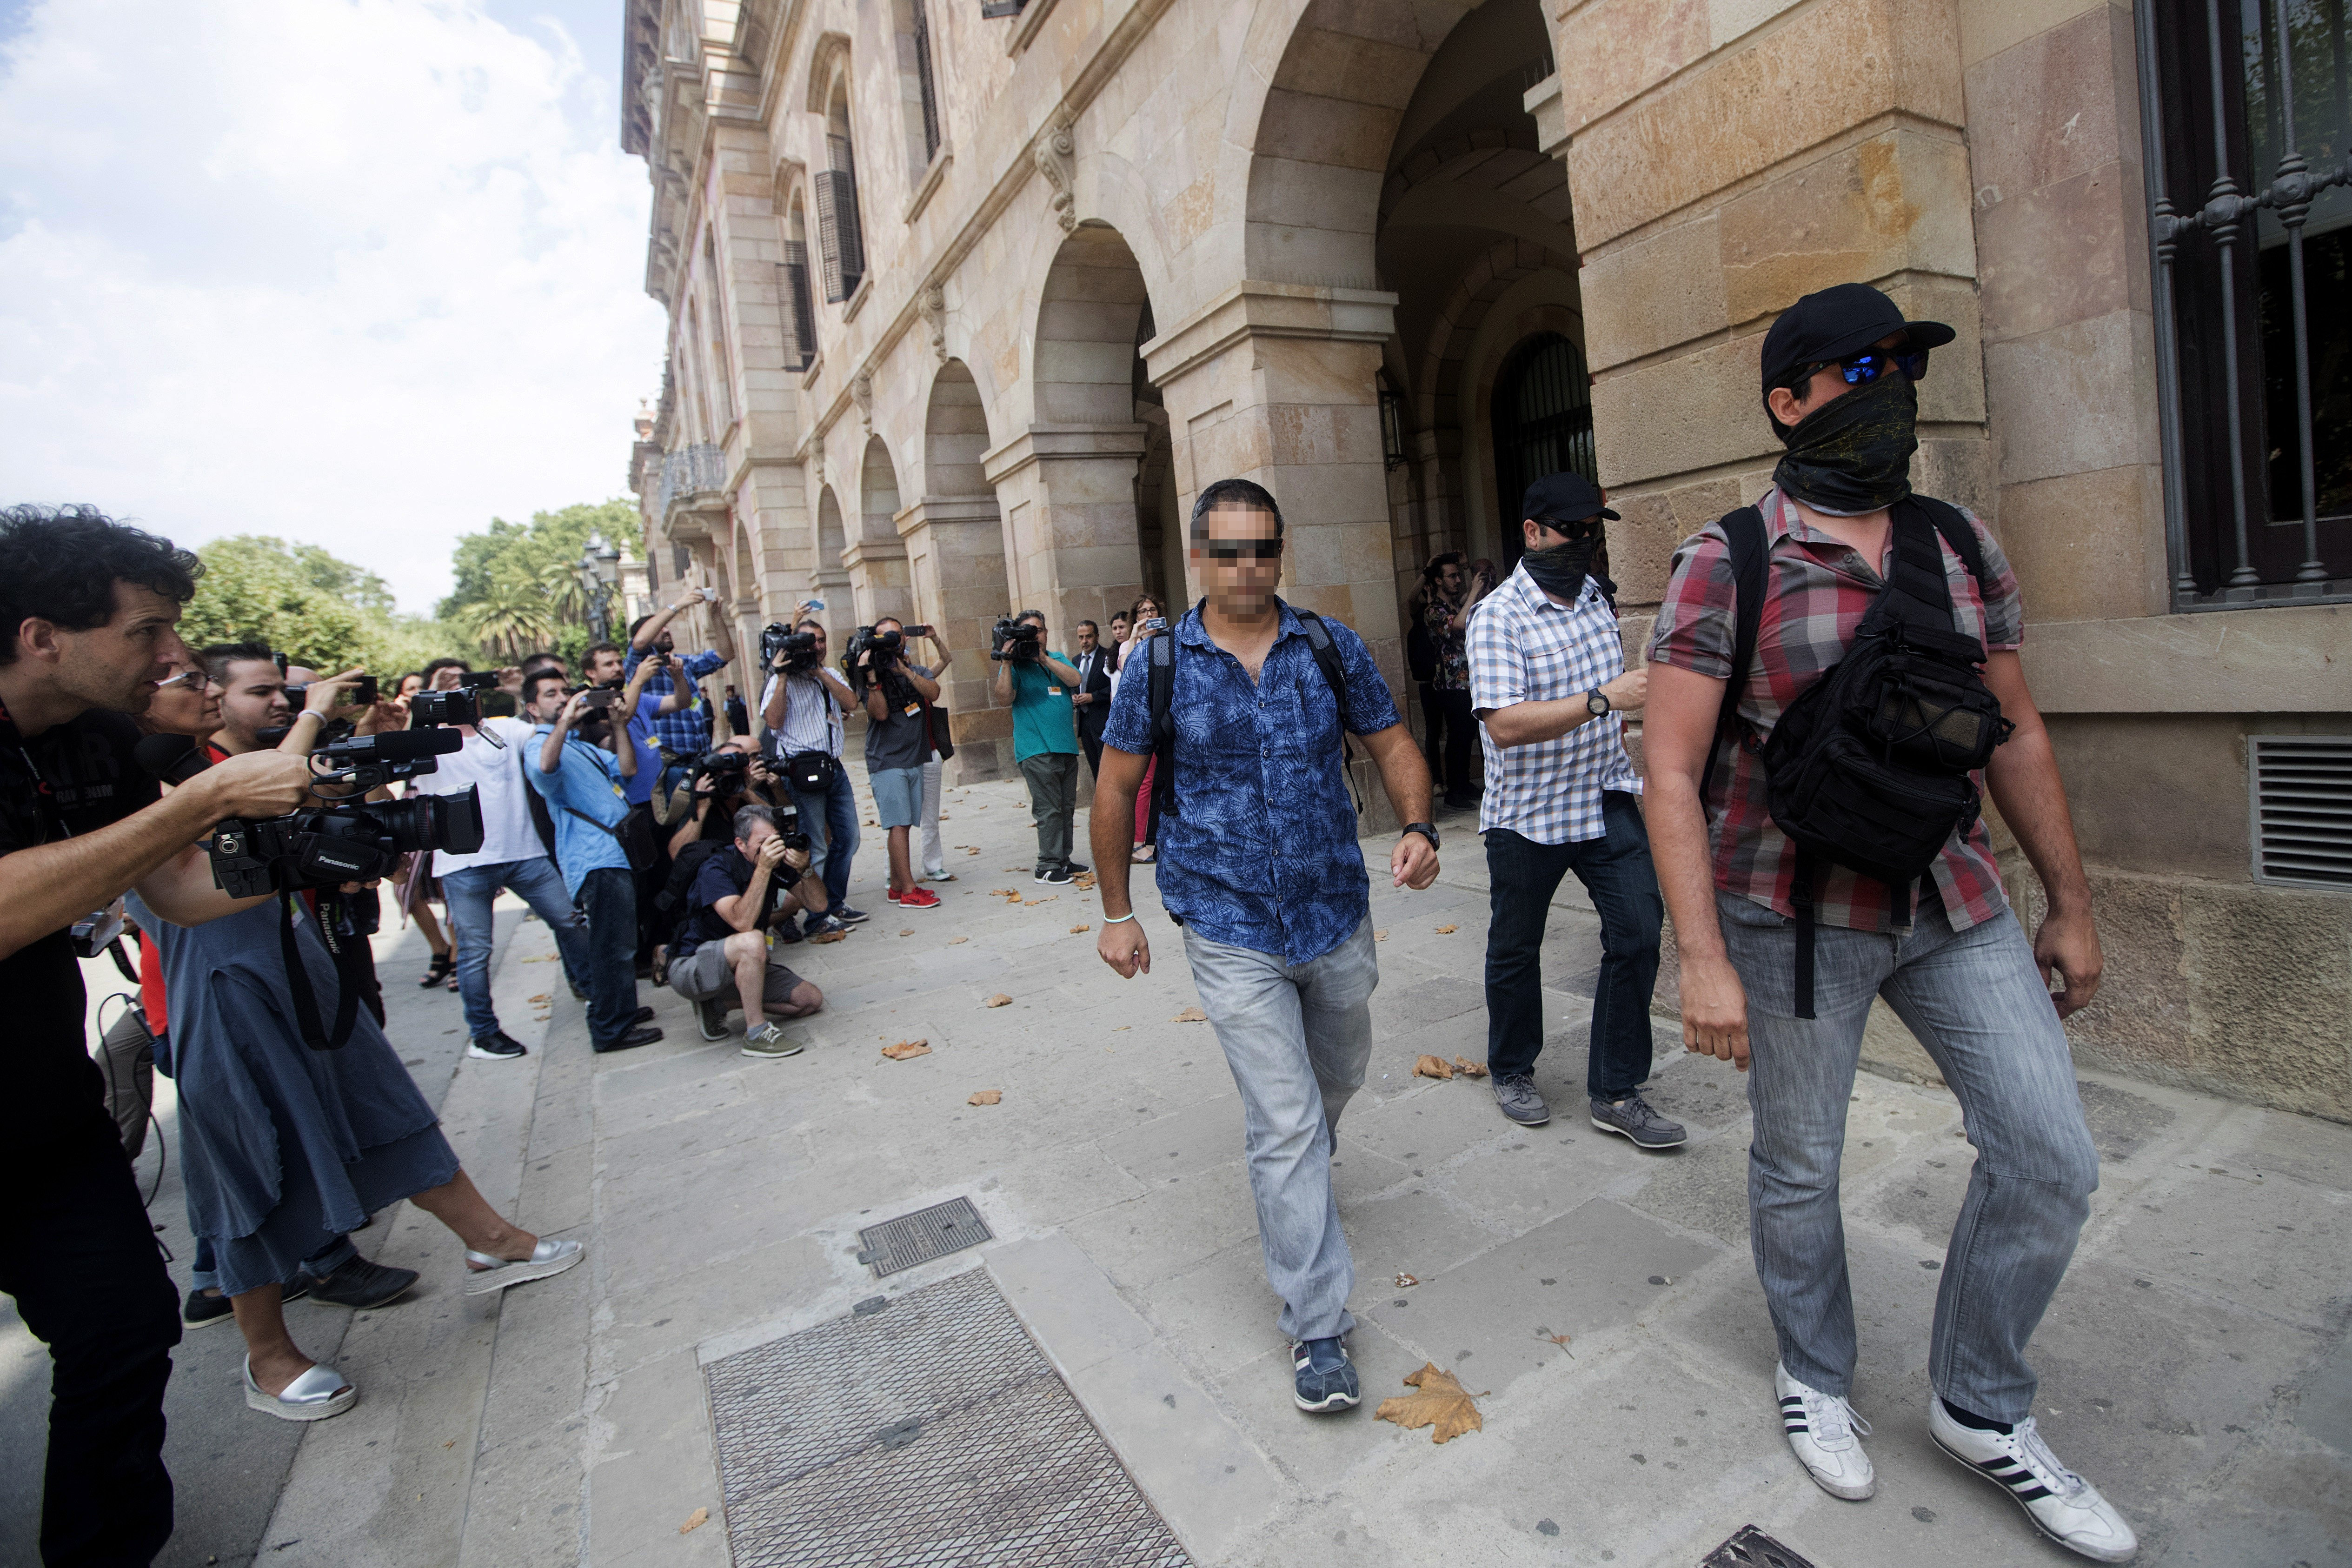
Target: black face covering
point(1560, 570)
point(1852, 456)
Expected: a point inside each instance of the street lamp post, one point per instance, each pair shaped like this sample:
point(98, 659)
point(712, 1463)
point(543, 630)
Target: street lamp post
point(600, 570)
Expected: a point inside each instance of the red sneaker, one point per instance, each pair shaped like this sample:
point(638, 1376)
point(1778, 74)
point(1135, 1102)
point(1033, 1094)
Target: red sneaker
point(891, 894)
point(916, 899)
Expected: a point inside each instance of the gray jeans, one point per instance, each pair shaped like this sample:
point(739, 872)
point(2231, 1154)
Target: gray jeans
point(1296, 1036)
point(1053, 778)
point(1977, 1002)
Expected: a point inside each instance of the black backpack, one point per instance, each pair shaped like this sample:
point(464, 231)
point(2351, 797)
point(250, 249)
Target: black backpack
point(1869, 767)
point(1160, 669)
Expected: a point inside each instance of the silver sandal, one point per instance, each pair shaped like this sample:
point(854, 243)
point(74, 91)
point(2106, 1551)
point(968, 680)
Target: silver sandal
point(315, 1395)
point(488, 1274)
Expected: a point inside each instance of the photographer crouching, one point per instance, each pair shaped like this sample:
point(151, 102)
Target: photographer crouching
point(721, 955)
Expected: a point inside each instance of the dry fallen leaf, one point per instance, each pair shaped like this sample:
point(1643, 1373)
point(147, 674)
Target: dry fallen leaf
point(1469, 1069)
point(1076, 930)
point(1190, 1015)
point(1379, 936)
point(909, 932)
point(1561, 1340)
point(1447, 930)
point(999, 1000)
point(986, 1097)
point(1406, 1281)
point(1442, 1404)
point(905, 1048)
point(541, 998)
point(1433, 1067)
point(1086, 879)
point(695, 1521)
point(541, 958)
point(958, 941)
point(974, 851)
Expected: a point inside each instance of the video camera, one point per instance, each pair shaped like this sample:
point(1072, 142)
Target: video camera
point(886, 647)
point(797, 650)
point(1018, 640)
point(428, 710)
point(728, 769)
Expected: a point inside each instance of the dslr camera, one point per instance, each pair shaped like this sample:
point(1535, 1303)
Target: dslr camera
point(1021, 640)
point(725, 769)
point(796, 650)
point(428, 709)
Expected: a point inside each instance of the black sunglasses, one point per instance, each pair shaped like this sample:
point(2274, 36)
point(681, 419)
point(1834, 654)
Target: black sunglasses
point(1868, 366)
point(1235, 549)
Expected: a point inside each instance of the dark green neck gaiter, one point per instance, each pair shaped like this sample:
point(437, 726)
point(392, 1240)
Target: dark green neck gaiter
point(1852, 456)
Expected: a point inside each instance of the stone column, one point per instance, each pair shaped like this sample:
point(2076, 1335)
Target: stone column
point(1274, 382)
point(955, 556)
point(1067, 493)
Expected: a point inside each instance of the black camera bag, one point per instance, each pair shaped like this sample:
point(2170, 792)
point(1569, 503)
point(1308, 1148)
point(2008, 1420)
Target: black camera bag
point(1871, 766)
point(812, 773)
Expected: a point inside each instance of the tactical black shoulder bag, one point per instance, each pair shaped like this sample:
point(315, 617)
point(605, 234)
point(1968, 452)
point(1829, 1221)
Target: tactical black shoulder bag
point(1870, 766)
point(1160, 669)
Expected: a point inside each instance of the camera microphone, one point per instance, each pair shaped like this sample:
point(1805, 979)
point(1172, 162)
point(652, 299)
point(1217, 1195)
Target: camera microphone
point(174, 759)
point(395, 746)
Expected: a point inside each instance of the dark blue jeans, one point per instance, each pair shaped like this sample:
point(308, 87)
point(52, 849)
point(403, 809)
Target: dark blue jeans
point(608, 904)
point(1616, 870)
point(831, 822)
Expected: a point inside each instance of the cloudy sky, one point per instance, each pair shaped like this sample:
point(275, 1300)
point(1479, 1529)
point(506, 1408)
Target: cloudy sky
point(362, 272)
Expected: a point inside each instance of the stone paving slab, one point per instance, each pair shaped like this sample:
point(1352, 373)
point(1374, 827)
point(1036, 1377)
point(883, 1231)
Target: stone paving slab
point(2193, 1365)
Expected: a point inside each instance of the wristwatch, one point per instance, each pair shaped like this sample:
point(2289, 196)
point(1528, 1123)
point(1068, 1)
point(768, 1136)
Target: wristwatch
point(1426, 829)
point(1596, 704)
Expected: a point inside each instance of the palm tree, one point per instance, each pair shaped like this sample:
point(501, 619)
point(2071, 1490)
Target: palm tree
point(566, 598)
point(515, 617)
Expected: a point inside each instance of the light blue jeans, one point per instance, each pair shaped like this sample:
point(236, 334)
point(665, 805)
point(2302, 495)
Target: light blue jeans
point(1977, 1002)
point(470, 893)
point(1296, 1036)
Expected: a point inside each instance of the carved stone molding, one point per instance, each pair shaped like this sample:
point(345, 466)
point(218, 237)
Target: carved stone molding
point(932, 302)
point(861, 392)
point(817, 457)
point(1057, 161)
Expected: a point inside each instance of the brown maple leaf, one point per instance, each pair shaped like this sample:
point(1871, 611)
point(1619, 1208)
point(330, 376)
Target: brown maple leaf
point(1433, 1067)
point(905, 1048)
point(999, 1000)
point(1190, 1015)
point(1442, 1404)
point(1469, 1069)
point(986, 1097)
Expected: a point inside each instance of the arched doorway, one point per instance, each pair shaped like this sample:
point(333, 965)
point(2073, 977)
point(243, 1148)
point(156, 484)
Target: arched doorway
point(955, 559)
point(1542, 419)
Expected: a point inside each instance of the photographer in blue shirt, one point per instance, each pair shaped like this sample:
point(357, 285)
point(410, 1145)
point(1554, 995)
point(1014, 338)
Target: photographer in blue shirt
point(582, 784)
point(1258, 862)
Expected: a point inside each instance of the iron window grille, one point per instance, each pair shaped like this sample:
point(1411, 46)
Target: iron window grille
point(840, 242)
point(923, 81)
point(1543, 423)
point(2253, 295)
point(2301, 810)
point(801, 314)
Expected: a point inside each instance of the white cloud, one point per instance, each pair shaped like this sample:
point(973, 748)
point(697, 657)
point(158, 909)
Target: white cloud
point(363, 272)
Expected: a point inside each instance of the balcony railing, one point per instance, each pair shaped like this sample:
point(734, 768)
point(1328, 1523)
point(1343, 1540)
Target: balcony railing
point(691, 470)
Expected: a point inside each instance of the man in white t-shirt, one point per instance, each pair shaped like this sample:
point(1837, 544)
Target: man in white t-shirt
point(511, 856)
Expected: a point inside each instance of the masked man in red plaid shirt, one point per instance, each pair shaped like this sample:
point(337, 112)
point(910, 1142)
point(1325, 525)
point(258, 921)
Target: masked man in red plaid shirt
point(1838, 369)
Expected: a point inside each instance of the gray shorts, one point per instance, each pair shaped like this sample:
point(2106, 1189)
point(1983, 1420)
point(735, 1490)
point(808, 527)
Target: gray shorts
point(705, 974)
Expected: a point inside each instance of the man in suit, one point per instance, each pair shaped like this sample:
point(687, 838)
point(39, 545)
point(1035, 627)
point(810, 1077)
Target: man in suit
point(1092, 699)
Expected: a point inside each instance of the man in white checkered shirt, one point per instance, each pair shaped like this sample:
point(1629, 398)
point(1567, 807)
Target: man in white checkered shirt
point(1548, 683)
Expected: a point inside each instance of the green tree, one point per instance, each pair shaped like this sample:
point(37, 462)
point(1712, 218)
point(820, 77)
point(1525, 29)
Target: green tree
point(495, 569)
point(317, 609)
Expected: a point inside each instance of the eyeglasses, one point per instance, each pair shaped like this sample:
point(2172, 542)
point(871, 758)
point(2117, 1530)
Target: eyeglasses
point(1867, 366)
point(1235, 549)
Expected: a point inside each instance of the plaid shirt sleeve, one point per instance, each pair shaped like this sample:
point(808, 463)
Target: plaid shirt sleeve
point(710, 662)
point(1498, 664)
point(1695, 628)
point(2004, 605)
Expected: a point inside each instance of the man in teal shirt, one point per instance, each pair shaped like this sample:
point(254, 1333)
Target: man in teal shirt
point(1045, 741)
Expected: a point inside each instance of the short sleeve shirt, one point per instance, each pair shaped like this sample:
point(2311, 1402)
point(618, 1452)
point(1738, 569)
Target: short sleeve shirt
point(1820, 590)
point(1043, 717)
point(724, 874)
point(1451, 647)
point(900, 739)
point(1526, 649)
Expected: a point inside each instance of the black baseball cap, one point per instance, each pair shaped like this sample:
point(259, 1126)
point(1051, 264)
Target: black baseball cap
point(1564, 497)
point(1836, 322)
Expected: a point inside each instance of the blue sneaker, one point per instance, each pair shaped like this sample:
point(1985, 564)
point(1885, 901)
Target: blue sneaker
point(849, 917)
point(1326, 1377)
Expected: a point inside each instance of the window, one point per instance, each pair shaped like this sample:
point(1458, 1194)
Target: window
point(2246, 110)
point(722, 364)
point(840, 238)
point(800, 315)
point(915, 70)
point(1543, 421)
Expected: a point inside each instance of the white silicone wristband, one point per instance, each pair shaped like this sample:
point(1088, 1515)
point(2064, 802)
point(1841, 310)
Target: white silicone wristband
point(1114, 919)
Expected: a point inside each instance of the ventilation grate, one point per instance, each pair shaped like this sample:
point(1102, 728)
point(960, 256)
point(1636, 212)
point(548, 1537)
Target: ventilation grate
point(919, 1237)
point(1751, 1548)
point(2301, 810)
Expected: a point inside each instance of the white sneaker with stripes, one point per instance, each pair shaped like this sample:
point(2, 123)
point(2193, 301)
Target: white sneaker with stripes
point(1826, 1435)
point(2062, 1505)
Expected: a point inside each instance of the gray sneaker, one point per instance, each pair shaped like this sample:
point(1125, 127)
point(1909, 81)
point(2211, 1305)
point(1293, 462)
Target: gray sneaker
point(711, 1013)
point(768, 1043)
point(1516, 1095)
point(1633, 1117)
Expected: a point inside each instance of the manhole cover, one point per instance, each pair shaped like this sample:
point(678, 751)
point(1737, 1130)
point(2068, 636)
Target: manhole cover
point(934, 1434)
point(1751, 1548)
point(919, 1237)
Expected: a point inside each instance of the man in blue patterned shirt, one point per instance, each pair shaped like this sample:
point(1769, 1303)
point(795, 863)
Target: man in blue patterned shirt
point(1258, 862)
point(1548, 683)
point(686, 731)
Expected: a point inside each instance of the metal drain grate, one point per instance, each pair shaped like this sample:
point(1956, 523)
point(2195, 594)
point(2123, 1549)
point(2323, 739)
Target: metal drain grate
point(1751, 1548)
point(919, 1237)
point(930, 1433)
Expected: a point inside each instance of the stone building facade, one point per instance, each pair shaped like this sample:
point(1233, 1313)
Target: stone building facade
point(968, 301)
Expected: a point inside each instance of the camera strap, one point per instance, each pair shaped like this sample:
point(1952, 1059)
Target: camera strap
point(298, 976)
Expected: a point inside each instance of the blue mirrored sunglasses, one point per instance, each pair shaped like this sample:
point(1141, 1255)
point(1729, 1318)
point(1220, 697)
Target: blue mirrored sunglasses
point(1869, 366)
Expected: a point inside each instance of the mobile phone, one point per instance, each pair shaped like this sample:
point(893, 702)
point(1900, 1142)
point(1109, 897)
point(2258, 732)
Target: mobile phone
point(918, 631)
point(478, 679)
point(598, 697)
point(1155, 624)
point(813, 604)
point(361, 693)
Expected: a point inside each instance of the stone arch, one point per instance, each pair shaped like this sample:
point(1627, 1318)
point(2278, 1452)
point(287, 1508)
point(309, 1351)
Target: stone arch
point(875, 557)
point(955, 566)
point(1437, 381)
point(1093, 301)
point(831, 578)
point(955, 434)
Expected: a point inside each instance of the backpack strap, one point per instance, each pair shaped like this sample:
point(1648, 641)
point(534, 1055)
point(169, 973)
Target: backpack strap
point(1750, 547)
point(1159, 672)
point(1335, 676)
point(1954, 527)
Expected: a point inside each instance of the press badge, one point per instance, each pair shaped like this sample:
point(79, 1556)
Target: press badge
point(912, 708)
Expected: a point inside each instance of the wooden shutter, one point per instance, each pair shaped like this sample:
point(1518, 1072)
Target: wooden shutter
point(800, 315)
point(923, 80)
